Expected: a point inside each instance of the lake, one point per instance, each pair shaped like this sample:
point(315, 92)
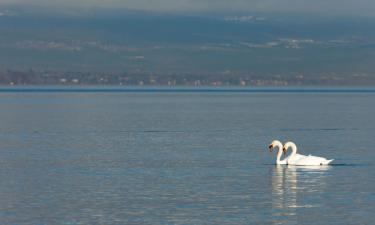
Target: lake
point(146, 156)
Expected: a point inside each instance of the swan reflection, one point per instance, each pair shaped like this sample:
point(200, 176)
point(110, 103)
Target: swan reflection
point(292, 187)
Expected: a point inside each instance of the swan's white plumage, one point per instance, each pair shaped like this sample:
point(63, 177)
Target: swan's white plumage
point(302, 160)
point(312, 161)
point(295, 158)
point(279, 145)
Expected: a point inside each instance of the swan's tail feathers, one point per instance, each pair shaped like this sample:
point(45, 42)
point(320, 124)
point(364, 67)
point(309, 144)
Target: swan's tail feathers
point(328, 161)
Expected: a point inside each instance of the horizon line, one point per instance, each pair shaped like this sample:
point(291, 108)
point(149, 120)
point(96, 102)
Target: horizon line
point(185, 89)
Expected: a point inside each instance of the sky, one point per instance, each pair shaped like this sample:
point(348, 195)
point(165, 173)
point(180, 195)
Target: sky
point(327, 7)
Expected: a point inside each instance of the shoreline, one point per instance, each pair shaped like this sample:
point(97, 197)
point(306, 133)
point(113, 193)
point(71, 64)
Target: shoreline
point(186, 89)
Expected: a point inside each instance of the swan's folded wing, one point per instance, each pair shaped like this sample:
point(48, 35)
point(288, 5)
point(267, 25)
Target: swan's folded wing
point(295, 159)
point(299, 157)
point(312, 161)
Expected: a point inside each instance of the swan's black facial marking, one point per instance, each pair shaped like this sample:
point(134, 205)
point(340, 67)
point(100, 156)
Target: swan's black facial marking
point(270, 147)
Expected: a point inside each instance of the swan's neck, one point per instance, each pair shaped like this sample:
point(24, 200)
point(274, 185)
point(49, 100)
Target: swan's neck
point(279, 153)
point(294, 150)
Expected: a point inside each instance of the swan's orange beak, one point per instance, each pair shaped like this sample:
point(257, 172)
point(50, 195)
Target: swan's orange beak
point(270, 147)
point(284, 150)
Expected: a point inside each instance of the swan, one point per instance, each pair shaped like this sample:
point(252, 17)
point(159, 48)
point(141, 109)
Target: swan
point(302, 160)
point(279, 145)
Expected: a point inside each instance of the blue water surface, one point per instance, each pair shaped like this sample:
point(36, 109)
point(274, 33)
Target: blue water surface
point(184, 157)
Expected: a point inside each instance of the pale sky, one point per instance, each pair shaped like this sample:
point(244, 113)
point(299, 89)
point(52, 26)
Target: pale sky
point(337, 7)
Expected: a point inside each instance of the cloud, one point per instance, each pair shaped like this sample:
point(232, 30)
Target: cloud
point(341, 7)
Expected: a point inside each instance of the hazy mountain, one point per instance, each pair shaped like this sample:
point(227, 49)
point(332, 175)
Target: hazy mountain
point(137, 41)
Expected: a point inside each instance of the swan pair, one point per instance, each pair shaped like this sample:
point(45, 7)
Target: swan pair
point(294, 158)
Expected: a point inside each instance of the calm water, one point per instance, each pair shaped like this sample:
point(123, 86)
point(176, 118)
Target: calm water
point(184, 158)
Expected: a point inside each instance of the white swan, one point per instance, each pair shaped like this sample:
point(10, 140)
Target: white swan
point(302, 160)
point(279, 145)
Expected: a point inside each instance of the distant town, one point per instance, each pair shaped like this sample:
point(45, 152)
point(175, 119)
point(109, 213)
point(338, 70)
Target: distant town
point(227, 78)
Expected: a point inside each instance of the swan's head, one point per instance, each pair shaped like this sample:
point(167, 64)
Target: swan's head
point(287, 145)
point(273, 144)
